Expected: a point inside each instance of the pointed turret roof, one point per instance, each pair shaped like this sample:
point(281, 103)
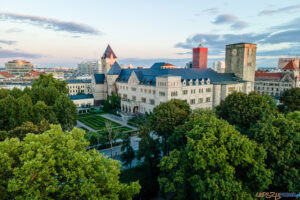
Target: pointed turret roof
point(115, 69)
point(109, 52)
point(291, 65)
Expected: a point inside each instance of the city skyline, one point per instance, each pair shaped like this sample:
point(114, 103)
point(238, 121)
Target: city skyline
point(142, 32)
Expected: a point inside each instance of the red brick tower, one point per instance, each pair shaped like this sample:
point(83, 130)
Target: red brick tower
point(200, 57)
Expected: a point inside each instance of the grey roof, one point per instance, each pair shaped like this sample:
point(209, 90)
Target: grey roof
point(99, 78)
point(70, 81)
point(81, 96)
point(148, 76)
point(115, 69)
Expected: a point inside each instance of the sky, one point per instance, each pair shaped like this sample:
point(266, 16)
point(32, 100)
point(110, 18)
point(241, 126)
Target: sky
point(141, 32)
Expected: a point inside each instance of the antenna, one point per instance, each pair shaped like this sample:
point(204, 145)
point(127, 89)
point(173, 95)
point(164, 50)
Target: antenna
point(201, 40)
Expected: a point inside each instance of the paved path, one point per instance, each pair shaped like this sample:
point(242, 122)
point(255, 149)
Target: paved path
point(80, 124)
point(110, 117)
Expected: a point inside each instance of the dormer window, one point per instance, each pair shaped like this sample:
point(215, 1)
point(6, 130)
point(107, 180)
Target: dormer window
point(191, 82)
point(202, 81)
point(184, 82)
point(208, 81)
point(197, 82)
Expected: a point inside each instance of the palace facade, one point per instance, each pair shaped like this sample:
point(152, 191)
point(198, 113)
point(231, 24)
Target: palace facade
point(143, 89)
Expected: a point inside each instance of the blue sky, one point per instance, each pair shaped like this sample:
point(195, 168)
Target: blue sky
point(142, 32)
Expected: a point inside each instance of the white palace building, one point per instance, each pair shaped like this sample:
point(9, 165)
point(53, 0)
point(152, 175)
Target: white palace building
point(141, 89)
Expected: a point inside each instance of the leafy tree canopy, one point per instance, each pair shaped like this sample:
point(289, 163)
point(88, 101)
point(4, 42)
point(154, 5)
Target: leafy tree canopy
point(48, 81)
point(166, 116)
point(56, 165)
point(281, 139)
point(217, 162)
point(242, 109)
point(291, 100)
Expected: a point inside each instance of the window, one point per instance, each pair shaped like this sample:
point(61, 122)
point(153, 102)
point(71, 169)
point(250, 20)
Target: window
point(208, 89)
point(193, 91)
point(174, 93)
point(201, 90)
point(184, 91)
point(162, 94)
point(153, 91)
point(133, 89)
point(152, 102)
point(133, 98)
point(200, 100)
point(141, 90)
point(144, 100)
point(145, 90)
point(192, 101)
point(207, 99)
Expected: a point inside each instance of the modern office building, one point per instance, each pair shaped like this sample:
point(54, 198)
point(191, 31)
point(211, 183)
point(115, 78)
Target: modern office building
point(18, 67)
point(89, 67)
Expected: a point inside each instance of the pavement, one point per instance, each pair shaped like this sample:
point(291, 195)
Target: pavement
point(114, 118)
point(116, 149)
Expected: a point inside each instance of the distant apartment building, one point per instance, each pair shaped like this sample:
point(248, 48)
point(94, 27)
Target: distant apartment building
point(18, 67)
point(32, 75)
point(89, 67)
point(275, 84)
point(219, 66)
point(79, 86)
point(143, 89)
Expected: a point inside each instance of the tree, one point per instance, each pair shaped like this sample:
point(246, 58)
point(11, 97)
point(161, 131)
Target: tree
point(280, 138)
point(56, 165)
point(25, 109)
point(291, 100)
point(49, 95)
point(294, 116)
point(4, 93)
point(149, 149)
point(28, 127)
point(112, 103)
point(112, 135)
point(165, 117)
point(8, 114)
point(21, 131)
point(16, 93)
point(217, 162)
point(65, 111)
point(128, 153)
point(46, 81)
point(243, 110)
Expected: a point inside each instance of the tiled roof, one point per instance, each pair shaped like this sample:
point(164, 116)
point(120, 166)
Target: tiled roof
point(290, 66)
point(108, 53)
point(99, 78)
point(74, 81)
point(81, 96)
point(266, 75)
point(148, 76)
point(6, 75)
point(115, 69)
point(35, 73)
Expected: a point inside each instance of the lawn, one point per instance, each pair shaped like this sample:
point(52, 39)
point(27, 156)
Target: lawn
point(95, 121)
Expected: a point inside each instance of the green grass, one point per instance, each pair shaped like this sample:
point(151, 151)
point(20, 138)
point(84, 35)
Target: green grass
point(96, 122)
